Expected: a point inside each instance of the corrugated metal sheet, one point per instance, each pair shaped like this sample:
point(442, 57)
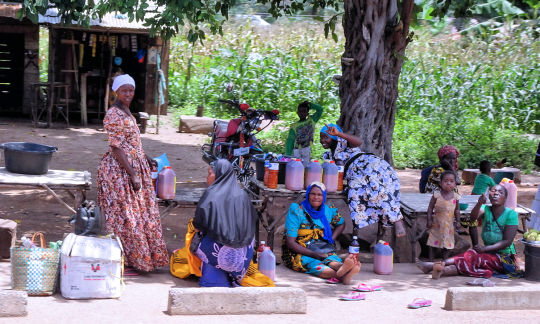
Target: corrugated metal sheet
point(110, 20)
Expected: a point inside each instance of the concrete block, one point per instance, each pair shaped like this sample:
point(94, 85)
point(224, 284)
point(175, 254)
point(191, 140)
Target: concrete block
point(13, 303)
point(496, 298)
point(240, 300)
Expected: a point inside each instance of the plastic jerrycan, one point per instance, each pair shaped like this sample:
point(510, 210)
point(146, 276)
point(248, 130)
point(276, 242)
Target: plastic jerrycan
point(267, 263)
point(511, 188)
point(383, 258)
point(294, 175)
point(166, 188)
point(313, 173)
point(330, 176)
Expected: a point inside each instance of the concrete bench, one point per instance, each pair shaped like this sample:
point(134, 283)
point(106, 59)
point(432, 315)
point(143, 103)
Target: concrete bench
point(496, 298)
point(13, 303)
point(240, 300)
point(469, 175)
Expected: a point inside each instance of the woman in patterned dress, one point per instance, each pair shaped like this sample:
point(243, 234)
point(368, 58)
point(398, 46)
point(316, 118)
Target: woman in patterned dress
point(125, 191)
point(225, 219)
point(373, 185)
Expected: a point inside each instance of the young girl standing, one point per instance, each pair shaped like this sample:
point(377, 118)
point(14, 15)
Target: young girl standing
point(443, 210)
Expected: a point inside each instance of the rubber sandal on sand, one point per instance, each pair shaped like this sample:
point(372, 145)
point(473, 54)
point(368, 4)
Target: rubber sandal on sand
point(362, 287)
point(353, 296)
point(419, 303)
point(333, 281)
point(131, 273)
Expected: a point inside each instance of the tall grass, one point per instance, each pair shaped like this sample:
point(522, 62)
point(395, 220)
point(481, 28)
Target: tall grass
point(478, 93)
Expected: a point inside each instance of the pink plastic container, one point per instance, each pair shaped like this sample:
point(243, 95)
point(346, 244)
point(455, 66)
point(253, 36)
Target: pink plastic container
point(511, 200)
point(383, 258)
point(330, 176)
point(166, 188)
point(294, 175)
point(267, 263)
point(313, 173)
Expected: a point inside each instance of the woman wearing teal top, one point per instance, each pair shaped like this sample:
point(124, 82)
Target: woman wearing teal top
point(497, 255)
point(311, 223)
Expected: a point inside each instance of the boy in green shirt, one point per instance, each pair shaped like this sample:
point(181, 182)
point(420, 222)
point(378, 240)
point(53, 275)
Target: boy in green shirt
point(300, 136)
point(483, 181)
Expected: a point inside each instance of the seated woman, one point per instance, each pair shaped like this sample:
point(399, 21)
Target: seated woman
point(497, 256)
point(310, 224)
point(225, 219)
point(431, 177)
point(373, 186)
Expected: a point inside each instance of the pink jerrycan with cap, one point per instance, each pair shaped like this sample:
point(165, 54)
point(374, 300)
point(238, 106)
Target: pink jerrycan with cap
point(313, 173)
point(383, 258)
point(267, 263)
point(166, 187)
point(330, 176)
point(294, 175)
point(511, 188)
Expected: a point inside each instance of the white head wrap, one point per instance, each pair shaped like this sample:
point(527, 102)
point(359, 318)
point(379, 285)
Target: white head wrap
point(122, 80)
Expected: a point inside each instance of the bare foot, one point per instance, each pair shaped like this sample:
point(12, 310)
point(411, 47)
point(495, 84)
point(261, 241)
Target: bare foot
point(400, 228)
point(426, 267)
point(346, 280)
point(438, 269)
point(347, 265)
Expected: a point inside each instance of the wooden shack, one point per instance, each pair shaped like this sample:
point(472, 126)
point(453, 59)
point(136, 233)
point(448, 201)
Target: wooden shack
point(19, 65)
point(88, 59)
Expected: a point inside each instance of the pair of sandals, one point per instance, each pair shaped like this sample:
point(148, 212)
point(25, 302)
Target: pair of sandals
point(356, 294)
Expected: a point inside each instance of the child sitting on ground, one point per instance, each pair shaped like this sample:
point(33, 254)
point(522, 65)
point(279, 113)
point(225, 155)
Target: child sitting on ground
point(300, 137)
point(443, 210)
point(483, 181)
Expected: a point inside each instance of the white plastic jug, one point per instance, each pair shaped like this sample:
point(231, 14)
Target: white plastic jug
point(294, 175)
point(267, 263)
point(330, 176)
point(313, 173)
point(166, 184)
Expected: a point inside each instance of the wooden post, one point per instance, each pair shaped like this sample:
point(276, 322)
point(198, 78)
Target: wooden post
point(84, 114)
point(50, 94)
point(108, 84)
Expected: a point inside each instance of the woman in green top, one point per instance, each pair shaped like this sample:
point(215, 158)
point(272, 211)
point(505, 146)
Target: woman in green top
point(497, 255)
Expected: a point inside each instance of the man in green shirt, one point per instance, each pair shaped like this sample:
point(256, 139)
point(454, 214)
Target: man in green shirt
point(483, 181)
point(300, 136)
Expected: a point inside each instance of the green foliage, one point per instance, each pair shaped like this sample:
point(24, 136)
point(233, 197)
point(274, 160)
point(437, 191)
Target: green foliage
point(473, 93)
point(479, 90)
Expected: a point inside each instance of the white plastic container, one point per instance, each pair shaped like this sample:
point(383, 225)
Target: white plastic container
point(91, 267)
point(267, 263)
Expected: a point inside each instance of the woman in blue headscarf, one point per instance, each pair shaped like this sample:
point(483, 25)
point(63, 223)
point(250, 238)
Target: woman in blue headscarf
point(373, 185)
point(308, 244)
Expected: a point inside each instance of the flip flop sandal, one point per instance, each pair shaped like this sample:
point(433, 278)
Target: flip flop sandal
point(333, 281)
point(353, 296)
point(419, 303)
point(130, 273)
point(362, 287)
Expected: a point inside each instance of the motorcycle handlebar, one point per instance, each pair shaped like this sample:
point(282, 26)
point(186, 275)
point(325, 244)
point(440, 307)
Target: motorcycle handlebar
point(267, 114)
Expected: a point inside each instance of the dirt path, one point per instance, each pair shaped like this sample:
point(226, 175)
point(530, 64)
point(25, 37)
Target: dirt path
point(82, 149)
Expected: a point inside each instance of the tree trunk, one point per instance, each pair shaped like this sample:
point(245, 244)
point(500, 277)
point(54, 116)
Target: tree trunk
point(375, 41)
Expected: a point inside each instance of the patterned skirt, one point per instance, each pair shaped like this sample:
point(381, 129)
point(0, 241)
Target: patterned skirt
point(485, 265)
point(223, 266)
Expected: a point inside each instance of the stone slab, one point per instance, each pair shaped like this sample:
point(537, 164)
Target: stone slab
point(492, 298)
point(240, 300)
point(13, 303)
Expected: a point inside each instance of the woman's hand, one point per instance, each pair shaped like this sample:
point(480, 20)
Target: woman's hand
point(136, 182)
point(332, 130)
point(153, 163)
point(479, 248)
point(482, 199)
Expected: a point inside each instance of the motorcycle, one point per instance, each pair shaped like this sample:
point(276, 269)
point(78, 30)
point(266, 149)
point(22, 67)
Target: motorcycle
point(235, 140)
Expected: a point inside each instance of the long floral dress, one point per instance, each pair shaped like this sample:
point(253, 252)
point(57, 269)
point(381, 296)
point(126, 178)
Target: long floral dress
point(131, 215)
point(441, 235)
point(373, 186)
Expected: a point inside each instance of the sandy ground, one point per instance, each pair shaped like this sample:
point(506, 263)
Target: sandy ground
point(82, 148)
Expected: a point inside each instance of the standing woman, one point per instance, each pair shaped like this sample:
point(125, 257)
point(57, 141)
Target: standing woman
point(125, 191)
point(225, 219)
point(373, 185)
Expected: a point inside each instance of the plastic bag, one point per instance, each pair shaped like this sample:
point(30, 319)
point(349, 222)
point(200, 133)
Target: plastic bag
point(162, 162)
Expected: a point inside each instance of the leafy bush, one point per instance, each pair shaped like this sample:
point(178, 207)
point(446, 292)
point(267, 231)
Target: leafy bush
point(478, 92)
